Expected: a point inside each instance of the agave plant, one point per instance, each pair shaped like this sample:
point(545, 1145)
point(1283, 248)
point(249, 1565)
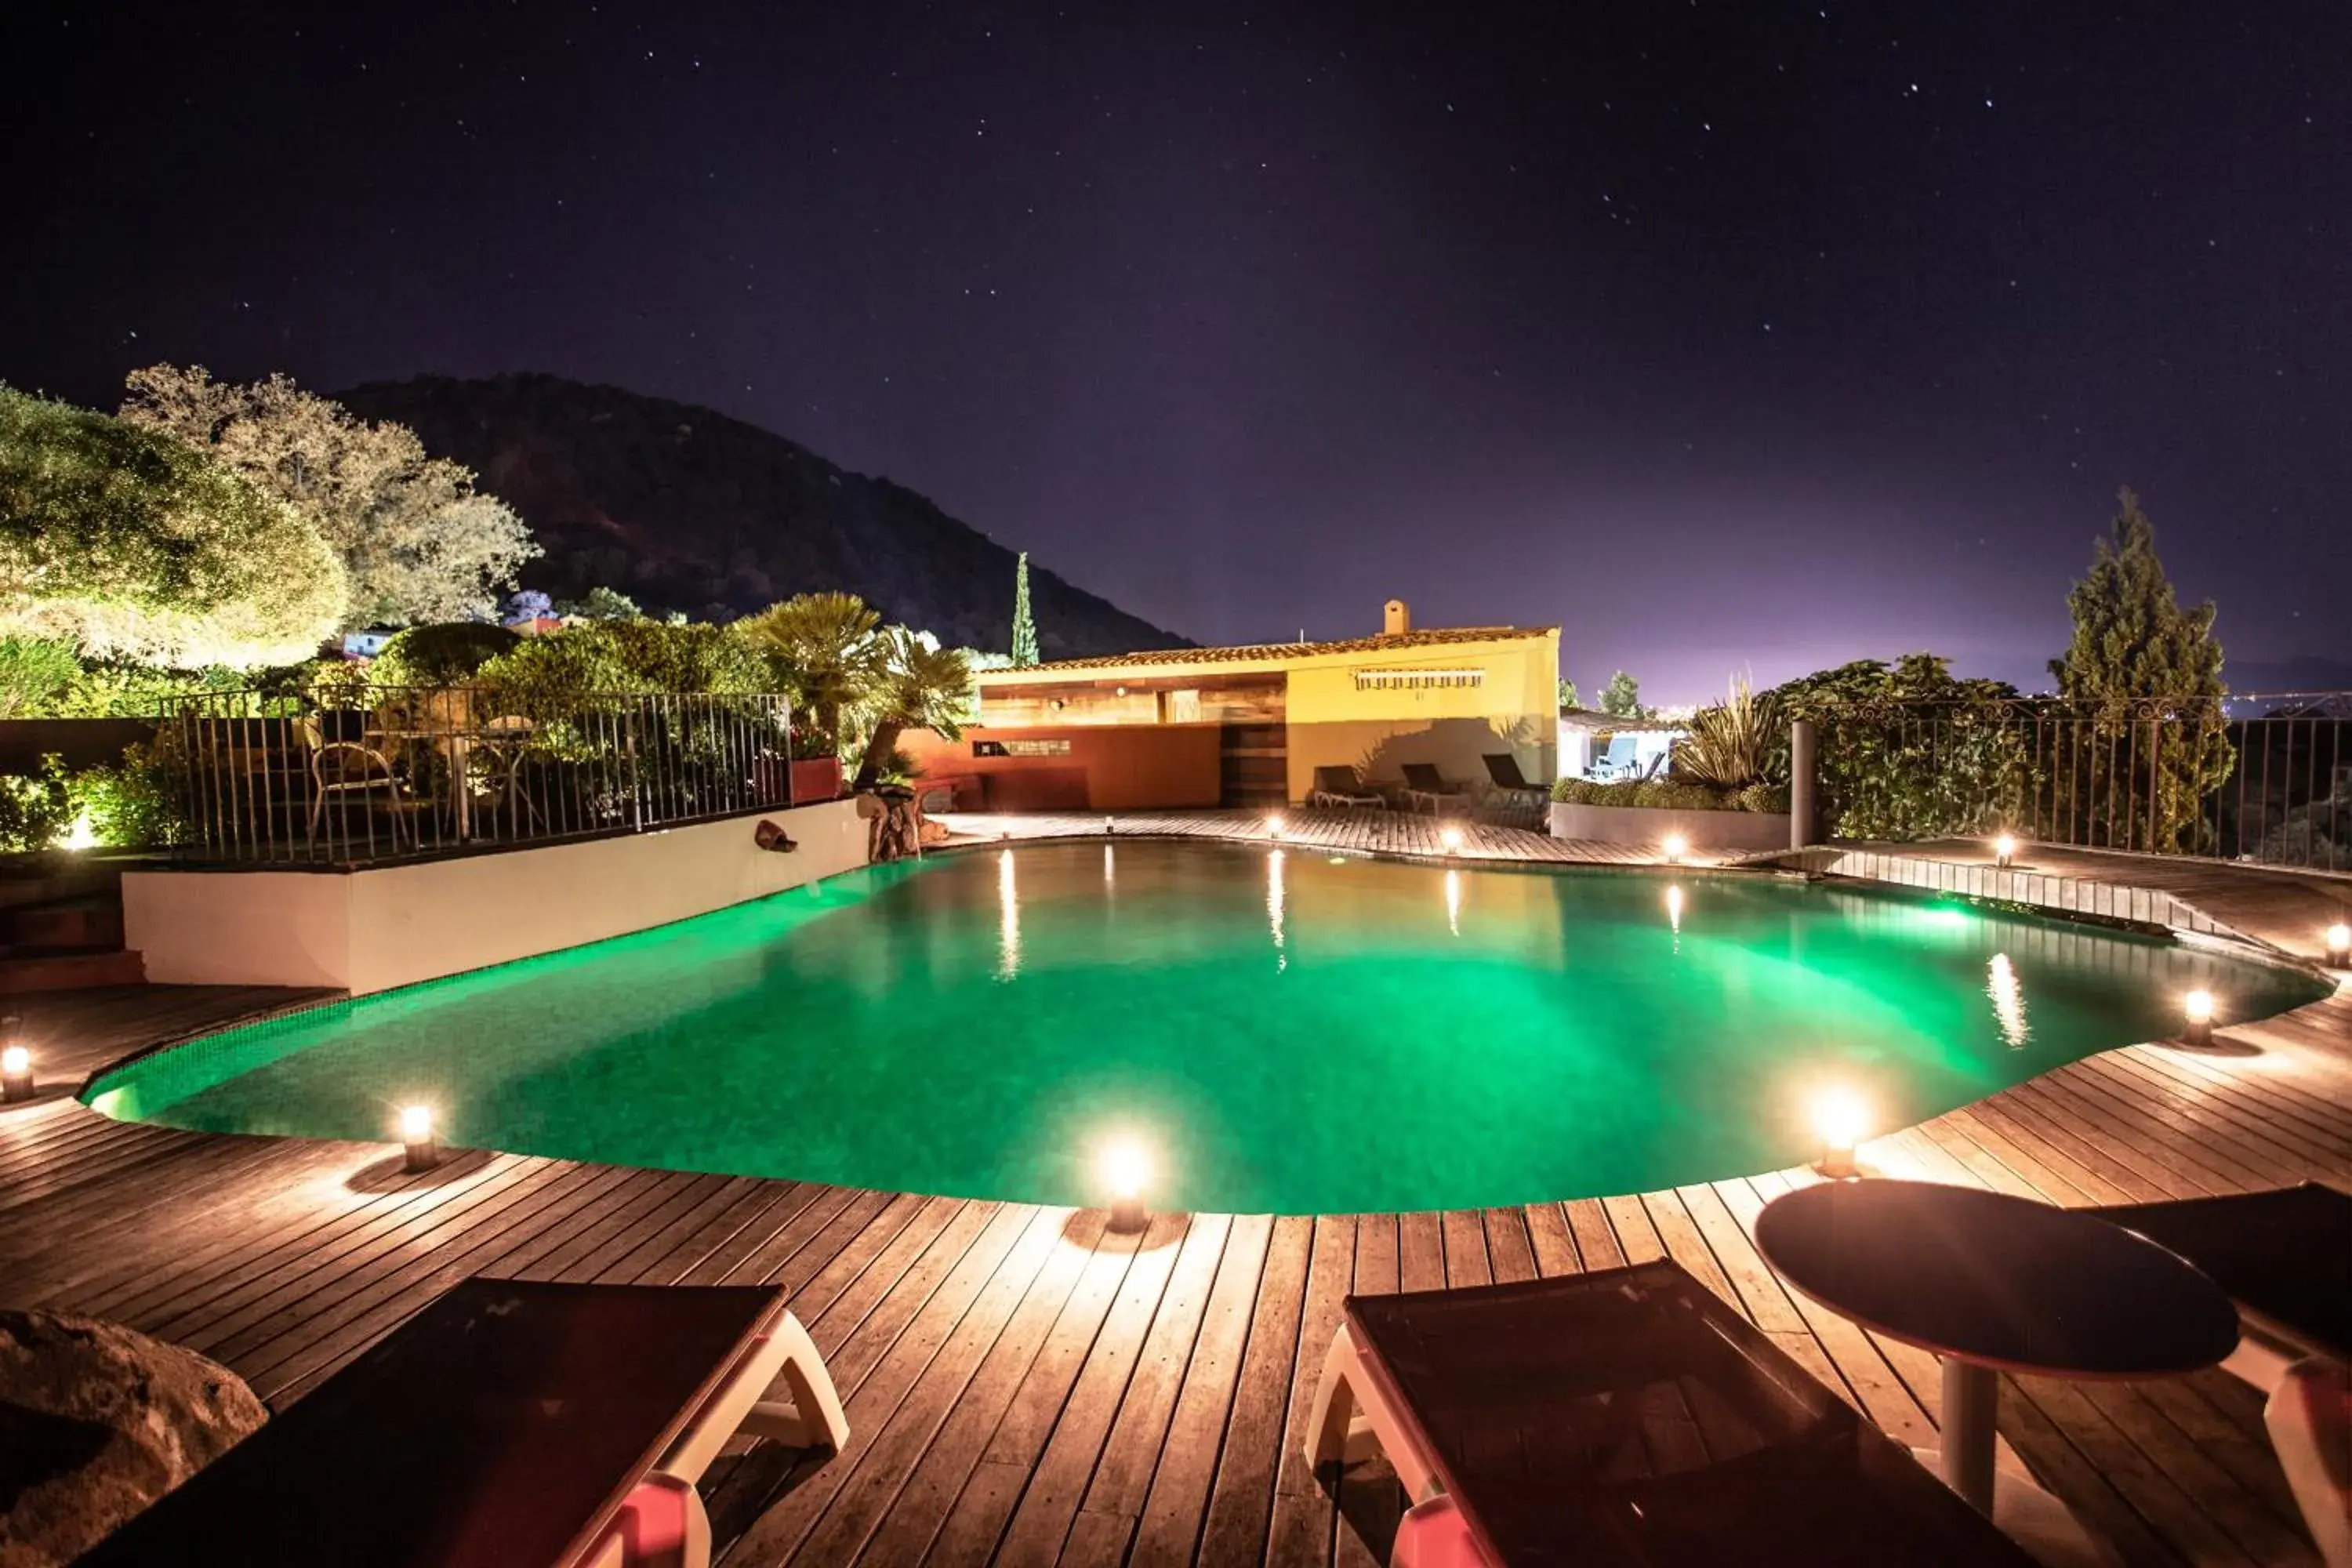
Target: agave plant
point(1736, 742)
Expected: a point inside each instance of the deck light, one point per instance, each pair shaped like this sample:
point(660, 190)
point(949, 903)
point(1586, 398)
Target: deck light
point(1274, 826)
point(1842, 1120)
point(1675, 845)
point(416, 1133)
point(2198, 1007)
point(1107, 826)
point(2339, 945)
point(1126, 1167)
point(15, 1071)
point(1451, 839)
point(2004, 850)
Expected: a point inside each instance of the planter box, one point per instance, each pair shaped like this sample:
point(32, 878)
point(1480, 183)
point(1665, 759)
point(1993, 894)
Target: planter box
point(815, 779)
point(1709, 832)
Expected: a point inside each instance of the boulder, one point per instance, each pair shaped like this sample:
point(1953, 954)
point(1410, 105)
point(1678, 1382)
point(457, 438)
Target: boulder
point(97, 1422)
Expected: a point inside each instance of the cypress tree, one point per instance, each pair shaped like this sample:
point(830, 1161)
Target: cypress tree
point(2143, 679)
point(1024, 624)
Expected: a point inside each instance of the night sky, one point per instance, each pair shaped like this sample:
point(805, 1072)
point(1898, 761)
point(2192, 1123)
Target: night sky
point(1723, 334)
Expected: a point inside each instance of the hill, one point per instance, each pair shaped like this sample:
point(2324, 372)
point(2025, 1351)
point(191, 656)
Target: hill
point(685, 509)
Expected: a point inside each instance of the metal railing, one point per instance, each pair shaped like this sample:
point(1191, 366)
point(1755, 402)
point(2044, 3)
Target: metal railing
point(2262, 777)
point(383, 773)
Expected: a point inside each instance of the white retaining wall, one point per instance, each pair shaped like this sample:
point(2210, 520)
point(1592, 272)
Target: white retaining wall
point(392, 925)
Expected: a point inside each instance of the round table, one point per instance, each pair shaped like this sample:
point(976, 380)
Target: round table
point(1991, 1284)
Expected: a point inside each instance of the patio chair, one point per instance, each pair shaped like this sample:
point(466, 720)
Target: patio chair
point(1338, 785)
point(1612, 762)
point(1425, 789)
point(1503, 774)
point(2284, 1256)
point(343, 770)
point(1625, 1416)
point(509, 1422)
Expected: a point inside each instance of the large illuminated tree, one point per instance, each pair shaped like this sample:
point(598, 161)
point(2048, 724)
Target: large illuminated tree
point(419, 544)
point(129, 544)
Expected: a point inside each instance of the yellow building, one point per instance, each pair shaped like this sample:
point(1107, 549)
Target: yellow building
point(1279, 710)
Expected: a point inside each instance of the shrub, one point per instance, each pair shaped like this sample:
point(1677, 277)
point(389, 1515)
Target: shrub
point(1738, 742)
point(551, 675)
point(36, 673)
point(446, 654)
point(129, 544)
point(129, 807)
point(1910, 752)
point(35, 811)
point(1662, 794)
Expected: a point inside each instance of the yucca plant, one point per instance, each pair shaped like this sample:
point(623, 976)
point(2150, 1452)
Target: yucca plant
point(1733, 744)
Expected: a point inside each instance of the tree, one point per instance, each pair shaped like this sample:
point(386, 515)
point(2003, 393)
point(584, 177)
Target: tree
point(36, 673)
point(2143, 678)
point(1568, 697)
point(922, 686)
point(419, 542)
point(824, 651)
point(1025, 624)
point(128, 544)
point(1621, 698)
point(1908, 751)
point(600, 603)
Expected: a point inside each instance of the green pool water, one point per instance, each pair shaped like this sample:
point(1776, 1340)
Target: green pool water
point(1279, 1030)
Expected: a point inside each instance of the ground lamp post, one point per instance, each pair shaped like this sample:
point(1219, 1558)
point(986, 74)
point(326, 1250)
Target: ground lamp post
point(2004, 850)
point(1842, 1120)
point(1125, 1170)
point(1274, 826)
point(2339, 945)
point(15, 1065)
point(1676, 845)
point(1451, 839)
point(2197, 1008)
point(422, 1146)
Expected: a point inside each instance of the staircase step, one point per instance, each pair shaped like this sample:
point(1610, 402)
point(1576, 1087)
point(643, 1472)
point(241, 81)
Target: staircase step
point(92, 922)
point(69, 971)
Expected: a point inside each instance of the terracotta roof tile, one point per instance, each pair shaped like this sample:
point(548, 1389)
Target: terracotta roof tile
point(1257, 653)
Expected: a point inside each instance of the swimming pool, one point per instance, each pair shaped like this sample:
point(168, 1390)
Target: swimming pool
point(1279, 1030)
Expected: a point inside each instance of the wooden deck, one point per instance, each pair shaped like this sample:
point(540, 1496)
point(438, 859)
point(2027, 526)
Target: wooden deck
point(1027, 1388)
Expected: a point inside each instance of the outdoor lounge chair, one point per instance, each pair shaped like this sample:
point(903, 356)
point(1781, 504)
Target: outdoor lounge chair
point(1503, 773)
point(1625, 1416)
point(1615, 761)
point(2284, 1256)
point(1426, 788)
point(1338, 785)
point(509, 1423)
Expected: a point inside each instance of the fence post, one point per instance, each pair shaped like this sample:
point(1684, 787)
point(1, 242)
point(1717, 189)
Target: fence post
point(1804, 747)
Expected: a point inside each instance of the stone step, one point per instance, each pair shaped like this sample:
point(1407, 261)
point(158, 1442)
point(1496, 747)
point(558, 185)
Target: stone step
point(95, 922)
point(36, 970)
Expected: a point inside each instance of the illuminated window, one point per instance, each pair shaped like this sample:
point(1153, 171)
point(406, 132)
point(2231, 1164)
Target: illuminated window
point(1395, 679)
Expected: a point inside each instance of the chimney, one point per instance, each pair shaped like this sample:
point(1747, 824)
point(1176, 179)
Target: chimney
point(1395, 618)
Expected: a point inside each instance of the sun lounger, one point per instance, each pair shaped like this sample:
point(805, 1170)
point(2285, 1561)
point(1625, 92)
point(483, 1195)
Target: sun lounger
point(1338, 785)
point(1621, 1417)
point(1503, 773)
point(509, 1423)
point(1425, 789)
point(2284, 1256)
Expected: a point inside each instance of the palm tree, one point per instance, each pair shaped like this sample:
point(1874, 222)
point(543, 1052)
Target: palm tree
point(922, 687)
point(826, 649)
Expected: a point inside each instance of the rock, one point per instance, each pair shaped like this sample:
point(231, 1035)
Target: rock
point(97, 1422)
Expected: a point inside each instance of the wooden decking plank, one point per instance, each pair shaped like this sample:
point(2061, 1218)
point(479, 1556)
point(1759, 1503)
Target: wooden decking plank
point(1510, 1254)
point(1596, 1238)
point(2313, 1119)
point(2266, 1128)
point(2237, 1512)
point(908, 1329)
point(2121, 1464)
point(1169, 1530)
point(1420, 1252)
point(1466, 1262)
point(1052, 1305)
point(1553, 1242)
point(750, 1201)
point(1241, 1498)
point(1304, 1514)
point(1059, 1481)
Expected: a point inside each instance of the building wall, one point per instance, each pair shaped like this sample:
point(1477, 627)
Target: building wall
point(1088, 767)
point(1514, 708)
point(371, 930)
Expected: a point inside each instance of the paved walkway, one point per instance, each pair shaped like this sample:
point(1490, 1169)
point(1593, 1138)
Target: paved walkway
point(1026, 1387)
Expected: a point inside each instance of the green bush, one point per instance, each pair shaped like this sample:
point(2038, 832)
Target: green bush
point(1661, 794)
point(36, 673)
point(35, 811)
point(548, 677)
point(449, 654)
point(129, 807)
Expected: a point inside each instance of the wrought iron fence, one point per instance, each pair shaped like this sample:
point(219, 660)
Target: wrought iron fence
point(2264, 777)
point(383, 773)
